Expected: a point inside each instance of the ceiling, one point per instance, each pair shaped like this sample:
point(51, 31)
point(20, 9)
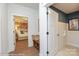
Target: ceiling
point(30, 5)
point(67, 7)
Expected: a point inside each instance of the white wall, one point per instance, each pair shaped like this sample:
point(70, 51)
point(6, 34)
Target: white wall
point(3, 29)
point(0, 29)
point(32, 15)
point(73, 38)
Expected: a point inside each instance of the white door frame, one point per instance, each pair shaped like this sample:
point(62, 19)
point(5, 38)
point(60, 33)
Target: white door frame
point(43, 28)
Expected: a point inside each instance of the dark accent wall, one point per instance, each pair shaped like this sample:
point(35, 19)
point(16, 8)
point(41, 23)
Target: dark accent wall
point(73, 15)
point(62, 15)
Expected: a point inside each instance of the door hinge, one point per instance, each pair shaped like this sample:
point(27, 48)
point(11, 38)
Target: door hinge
point(47, 33)
point(47, 13)
point(47, 52)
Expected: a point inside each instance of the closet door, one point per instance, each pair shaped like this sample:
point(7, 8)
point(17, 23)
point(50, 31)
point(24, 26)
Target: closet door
point(61, 35)
point(53, 32)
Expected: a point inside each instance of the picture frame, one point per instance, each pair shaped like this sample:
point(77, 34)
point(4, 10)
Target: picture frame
point(73, 24)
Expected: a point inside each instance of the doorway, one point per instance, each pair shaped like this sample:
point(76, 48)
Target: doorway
point(21, 38)
point(21, 32)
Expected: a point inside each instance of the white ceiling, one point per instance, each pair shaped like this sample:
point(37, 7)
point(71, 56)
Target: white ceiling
point(67, 7)
point(30, 5)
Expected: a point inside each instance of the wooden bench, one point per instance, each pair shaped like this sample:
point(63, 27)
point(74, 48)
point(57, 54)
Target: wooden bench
point(36, 44)
point(36, 41)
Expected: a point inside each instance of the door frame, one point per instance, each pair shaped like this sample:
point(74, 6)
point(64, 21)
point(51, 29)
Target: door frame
point(43, 28)
point(45, 51)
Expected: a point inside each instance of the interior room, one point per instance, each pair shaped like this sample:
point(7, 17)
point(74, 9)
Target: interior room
point(21, 32)
point(64, 18)
point(21, 27)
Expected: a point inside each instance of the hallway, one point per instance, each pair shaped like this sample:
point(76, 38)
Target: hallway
point(23, 50)
point(68, 51)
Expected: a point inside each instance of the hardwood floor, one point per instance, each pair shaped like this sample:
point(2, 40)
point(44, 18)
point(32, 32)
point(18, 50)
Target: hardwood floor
point(23, 50)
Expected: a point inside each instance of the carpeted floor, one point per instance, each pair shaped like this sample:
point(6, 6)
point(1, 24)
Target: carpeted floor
point(69, 51)
point(22, 49)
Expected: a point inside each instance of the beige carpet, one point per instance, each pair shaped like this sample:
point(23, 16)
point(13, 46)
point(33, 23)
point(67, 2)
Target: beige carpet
point(69, 51)
point(23, 50)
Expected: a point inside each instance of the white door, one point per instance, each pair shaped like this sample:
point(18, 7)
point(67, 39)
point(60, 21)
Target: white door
point(61, 35)
point(14, 35)
point(11, 32)
point(53, 31)
point(57, 33)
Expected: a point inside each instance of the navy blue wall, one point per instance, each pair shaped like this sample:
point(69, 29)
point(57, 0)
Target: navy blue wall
point(62, 15)
point(73, 15)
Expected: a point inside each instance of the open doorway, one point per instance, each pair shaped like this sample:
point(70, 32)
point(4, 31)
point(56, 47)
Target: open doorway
point(21, 38)
point(21, 32)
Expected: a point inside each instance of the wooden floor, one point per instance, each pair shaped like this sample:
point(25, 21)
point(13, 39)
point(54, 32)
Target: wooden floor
point(23, 50)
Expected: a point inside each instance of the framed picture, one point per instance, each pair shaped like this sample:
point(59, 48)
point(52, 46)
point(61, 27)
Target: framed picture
point(74, 24)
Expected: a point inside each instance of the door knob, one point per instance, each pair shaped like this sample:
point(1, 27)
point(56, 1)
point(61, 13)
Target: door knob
point(58, 35)
point(13, 31)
